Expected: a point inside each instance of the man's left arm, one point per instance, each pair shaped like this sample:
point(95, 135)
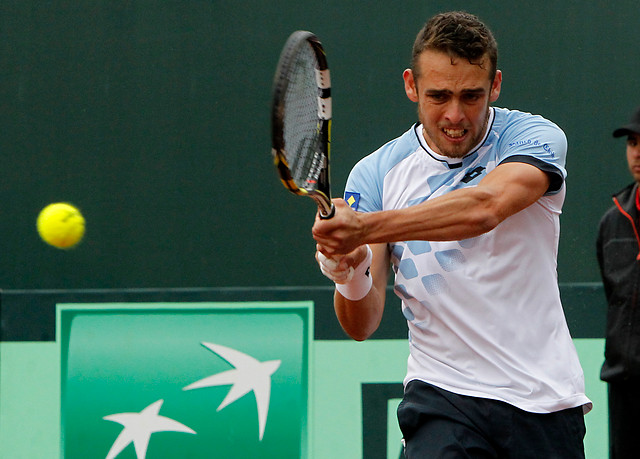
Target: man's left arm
point(457, 215)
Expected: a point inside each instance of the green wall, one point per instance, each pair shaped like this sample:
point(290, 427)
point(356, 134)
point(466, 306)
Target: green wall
point(358, 384)
point(153, 118)
point(340, 370)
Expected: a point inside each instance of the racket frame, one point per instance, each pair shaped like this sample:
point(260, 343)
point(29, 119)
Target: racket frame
point(321, 194)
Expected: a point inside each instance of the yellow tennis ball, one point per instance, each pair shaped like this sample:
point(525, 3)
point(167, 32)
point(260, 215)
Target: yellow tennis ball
point(60, 225)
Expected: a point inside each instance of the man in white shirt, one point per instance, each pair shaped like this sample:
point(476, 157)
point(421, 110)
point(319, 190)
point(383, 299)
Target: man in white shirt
point(465, 206)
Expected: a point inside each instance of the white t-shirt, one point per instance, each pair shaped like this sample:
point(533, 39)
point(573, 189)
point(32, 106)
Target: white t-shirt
point(484, 314)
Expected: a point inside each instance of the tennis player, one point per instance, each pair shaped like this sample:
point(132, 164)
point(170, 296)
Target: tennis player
point(465, 208)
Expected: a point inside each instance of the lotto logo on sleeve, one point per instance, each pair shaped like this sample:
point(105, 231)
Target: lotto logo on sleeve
point(353, 199)
point(168, 381)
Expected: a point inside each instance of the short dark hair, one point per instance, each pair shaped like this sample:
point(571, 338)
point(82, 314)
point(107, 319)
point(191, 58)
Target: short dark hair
point(458, 34)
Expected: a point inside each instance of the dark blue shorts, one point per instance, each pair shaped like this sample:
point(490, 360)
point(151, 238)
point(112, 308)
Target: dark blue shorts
point(437, 424)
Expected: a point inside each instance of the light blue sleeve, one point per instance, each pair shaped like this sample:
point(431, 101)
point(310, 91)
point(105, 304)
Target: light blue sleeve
point(365, 185)
point(537, 141)
point(363, 191)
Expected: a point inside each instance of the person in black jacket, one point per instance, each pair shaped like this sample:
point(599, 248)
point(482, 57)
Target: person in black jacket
point(618, 251)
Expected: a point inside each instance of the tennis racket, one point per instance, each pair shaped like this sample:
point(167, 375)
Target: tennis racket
point(301, 120)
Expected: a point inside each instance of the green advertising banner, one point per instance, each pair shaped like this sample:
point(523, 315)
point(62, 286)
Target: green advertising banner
point(219, 373)
point(198, 381)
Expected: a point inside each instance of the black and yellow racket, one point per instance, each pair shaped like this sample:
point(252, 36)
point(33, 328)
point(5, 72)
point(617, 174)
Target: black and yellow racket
point(301, 119)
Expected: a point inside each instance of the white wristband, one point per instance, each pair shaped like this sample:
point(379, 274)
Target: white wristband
point(358, 287)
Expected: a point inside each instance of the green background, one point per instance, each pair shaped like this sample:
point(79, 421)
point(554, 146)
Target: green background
point(152, 116)
point(339, 368)
point(354, 387)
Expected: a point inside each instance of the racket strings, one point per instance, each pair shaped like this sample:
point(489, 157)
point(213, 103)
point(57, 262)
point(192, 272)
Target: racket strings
point(301, 124)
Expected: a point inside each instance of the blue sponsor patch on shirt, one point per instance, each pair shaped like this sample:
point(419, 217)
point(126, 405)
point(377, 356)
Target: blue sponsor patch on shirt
point(352, 199)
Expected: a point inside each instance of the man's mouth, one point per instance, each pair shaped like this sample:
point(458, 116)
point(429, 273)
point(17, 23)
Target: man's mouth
point(454, 133)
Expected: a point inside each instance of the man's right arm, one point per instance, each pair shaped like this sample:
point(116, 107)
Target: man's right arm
point(360, 318)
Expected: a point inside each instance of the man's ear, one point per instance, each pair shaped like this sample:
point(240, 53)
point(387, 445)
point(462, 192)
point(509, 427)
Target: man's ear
point(410, 85)
point(495, 87)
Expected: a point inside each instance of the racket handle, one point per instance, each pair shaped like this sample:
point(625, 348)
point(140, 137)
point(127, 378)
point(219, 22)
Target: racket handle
point(328, 215)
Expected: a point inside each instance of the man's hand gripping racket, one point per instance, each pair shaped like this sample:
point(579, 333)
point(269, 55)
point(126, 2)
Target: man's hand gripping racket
point(336, 270)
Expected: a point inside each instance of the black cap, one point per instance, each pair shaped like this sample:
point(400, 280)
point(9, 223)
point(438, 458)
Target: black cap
point(632, 127)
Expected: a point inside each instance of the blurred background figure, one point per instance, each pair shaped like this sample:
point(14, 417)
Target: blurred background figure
point(618, 249)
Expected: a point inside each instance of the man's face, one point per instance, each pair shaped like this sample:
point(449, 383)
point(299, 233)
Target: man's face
point(633, 155)
point(453, 99)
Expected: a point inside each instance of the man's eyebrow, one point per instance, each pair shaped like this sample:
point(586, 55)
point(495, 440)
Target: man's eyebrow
point(474, 91)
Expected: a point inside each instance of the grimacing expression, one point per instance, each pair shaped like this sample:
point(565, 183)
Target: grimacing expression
point(453, 97)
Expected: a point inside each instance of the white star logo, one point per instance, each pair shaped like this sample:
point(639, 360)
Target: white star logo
point(138, 428)
point(248, 375)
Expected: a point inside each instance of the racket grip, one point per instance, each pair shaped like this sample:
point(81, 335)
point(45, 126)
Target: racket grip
point(330, 214)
